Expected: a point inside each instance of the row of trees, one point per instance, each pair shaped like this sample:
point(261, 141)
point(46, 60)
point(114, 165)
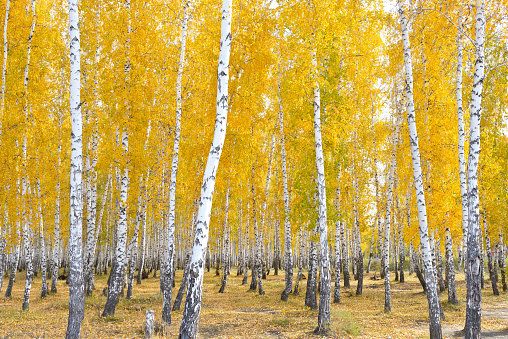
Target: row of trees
point(301, 83)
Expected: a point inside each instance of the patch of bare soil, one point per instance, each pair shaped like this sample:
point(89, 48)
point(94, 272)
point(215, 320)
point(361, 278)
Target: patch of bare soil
point(451, 331)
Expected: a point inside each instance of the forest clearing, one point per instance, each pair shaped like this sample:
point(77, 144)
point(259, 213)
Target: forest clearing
point(348, 159)
point(242, 313)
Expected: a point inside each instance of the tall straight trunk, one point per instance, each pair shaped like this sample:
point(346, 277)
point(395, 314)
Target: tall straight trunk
point(462, 161)
point(3, 243)
point(490, 261)
point(356, 228)
point(325, 279)
point(14, 265)
point(89, 285)
point(25, 181)
point(482, 264)
point(301, 249)
point(91, 215)
point(288, 256)
point(310, 293)
point(439, 266)
point(90, 225)
point(474, 296)
point(56, 243)
point(189, 326)
point(432, 297)
point(410, 253)
point(336, 292)
point(389, 198)
point(134, 240)
point(183, 286)
point(118, 274)
point(142, 248)
point(402, 255)
point(257, 260)
point(246, 258)
point(253, 252)
point(168, 270)
point(452, 294)
point(344, 256)
point(225, 251)
point(76, 284)
point(502, 262)
point(44, 284)
point(4, 67)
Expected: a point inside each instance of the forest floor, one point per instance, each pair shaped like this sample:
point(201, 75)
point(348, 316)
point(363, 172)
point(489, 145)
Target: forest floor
point(240, 313)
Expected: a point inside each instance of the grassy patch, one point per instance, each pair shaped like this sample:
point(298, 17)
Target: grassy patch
point(343, 322)
point(280, 322)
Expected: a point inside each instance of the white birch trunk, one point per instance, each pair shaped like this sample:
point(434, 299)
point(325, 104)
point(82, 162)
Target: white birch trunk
point(473, 270)
point(76, 285)
point(44, 285)
point(189, 326)
point(118, 276)
point(288, 256)
point(226, 245)
point(389, 198)
point(325, 275)
point(168, 279)
point(25, 181)
point(432, 297)
point(460, 119)
point(4, 67)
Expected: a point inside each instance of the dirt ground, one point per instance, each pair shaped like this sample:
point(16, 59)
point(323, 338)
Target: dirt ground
point(240, 313)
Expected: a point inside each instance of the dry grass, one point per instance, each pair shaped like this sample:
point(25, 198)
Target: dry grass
point(240, 313)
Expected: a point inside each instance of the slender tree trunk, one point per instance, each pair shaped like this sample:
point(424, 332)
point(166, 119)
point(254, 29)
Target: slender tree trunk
point(345, 256)
point(91, 217)
point(474, 296)
point(4, 67)
point(3, 243)
point(325, 279)
point(14, 266)
point(389, 198)
point(301, 249)
point(439, 261)
point(246, 258)
point(183, 286)
point(336, 293)
point(490, 262)
point(118, 275)
point(142, 249)
point(166, 312)
point(310, 293)
point(288, 256)
point(432, 297)
point(189, 326)
point(502, 262)
point(27, 243)
point(225, 258)
point(462, 161)
point(76, 284)
point(44, 285)
point(56, 232)
point(452, 294)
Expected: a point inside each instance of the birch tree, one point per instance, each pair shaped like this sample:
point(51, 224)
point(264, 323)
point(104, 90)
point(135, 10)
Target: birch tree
point(76, 284)
point(118, 270)
point(473, 271)
point(432, 297)
point(190, 319)
point(325, 274)
point(27, 242)
point(166, 313)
